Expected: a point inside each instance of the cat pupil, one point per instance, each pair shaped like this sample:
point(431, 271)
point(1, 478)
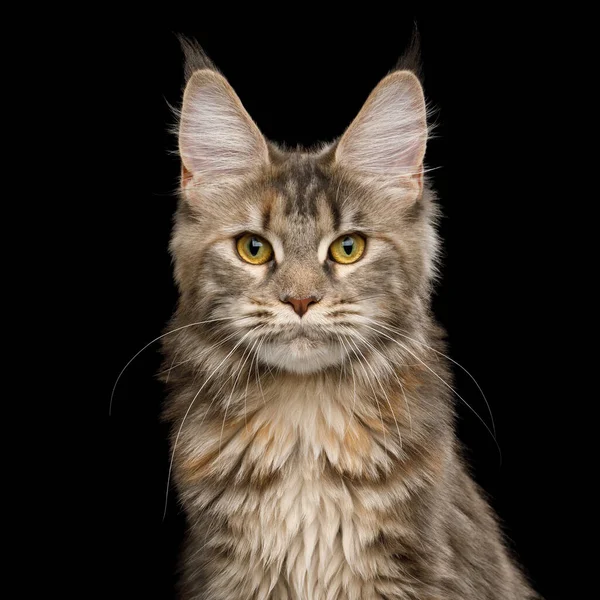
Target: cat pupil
point(348, 245)
point(255, 246)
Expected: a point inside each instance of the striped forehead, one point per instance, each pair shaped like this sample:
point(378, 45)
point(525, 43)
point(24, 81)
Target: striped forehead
point(299, 198)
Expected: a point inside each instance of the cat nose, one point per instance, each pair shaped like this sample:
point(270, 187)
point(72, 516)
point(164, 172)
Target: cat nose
point(301, 304)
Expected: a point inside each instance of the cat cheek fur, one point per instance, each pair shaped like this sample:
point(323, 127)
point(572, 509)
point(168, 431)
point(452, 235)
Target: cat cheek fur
point(316, 457)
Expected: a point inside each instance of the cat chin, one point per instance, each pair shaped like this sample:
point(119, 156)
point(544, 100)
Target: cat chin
point(301, 355)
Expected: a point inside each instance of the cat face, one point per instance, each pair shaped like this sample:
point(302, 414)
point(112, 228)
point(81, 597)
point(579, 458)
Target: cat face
point(303, 257)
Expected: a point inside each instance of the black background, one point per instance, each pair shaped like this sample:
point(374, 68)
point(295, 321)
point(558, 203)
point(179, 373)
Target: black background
point(502, 287)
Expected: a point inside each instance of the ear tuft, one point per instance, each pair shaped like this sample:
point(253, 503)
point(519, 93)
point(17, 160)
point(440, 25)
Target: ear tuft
point(217, 137)
point(195, 57)
point(411, 58)
point(387, 139)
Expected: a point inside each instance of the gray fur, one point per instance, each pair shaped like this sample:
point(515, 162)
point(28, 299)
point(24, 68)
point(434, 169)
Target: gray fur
point(316, 458)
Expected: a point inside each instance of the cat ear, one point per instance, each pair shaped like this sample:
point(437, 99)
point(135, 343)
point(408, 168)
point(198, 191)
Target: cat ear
point(388, 137)
point(217, 138)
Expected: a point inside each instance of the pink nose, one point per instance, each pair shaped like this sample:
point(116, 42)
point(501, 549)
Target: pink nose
point(301, 304)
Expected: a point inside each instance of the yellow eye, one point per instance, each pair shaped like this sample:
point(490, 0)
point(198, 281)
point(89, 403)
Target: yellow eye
point(347, 248)
point(254, 249)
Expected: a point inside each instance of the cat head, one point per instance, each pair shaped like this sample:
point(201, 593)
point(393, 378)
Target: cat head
point(305, 256)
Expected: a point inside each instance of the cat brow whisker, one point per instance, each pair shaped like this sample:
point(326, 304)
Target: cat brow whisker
point(337, 192)
point(156, 340)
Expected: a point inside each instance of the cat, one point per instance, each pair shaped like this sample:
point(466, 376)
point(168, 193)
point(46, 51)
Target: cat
point(313, 441)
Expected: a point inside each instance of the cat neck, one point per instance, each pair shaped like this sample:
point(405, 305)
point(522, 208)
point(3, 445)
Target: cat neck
point(356, 428)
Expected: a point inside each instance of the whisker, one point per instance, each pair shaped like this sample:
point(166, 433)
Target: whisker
point(171, 368)
point(156, 340)
point(384, 394)
point(365, 341)
point(445, 383)
point(407, 406)
point(239, 372)
point(187, 412)
point(198, 371)
point(257, 373)
point(223, 341)
point(359, 298)
point(399, 331)
point(353, 382)
point(352, 345)
point(248, 383)
point(342, 371)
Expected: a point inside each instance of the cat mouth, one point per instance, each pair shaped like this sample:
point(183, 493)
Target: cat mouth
point(305, 341)
point(301, 352)
point(302, 335)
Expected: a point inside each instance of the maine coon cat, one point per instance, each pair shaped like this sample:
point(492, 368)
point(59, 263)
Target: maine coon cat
point(313, 444)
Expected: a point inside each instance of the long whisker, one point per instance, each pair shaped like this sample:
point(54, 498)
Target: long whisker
point(445, 383)
point(156, 340)
point(248, 383)
point(239, 372)
point(399, 331)
point(212, 348)
point(368, 344)
point(353, 345)
point(233, 377)
point(168, 371)
point(257, 373)
point(384, 395)
point(342, 370)
point(187, 412)
point(353, 383)
point(407, 406)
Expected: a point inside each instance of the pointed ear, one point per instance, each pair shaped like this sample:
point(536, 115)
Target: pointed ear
point(217, 138)
point(388, 137)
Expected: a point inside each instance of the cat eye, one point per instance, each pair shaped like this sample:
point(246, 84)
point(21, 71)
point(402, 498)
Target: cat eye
point(347, 249)
point(254, 249)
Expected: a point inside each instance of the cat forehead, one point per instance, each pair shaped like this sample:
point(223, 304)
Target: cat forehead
point(301, 192)
point(301, 183)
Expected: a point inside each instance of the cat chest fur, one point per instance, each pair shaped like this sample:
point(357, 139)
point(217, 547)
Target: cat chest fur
point(294, 492)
